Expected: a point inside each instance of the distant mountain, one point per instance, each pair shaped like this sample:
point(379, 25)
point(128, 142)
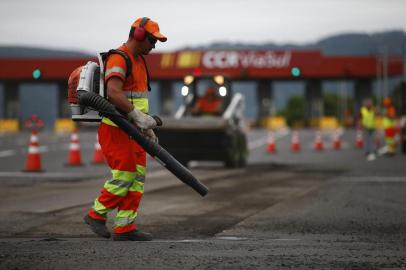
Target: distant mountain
point(363, 44)
point(350, 44)
point(34, 52)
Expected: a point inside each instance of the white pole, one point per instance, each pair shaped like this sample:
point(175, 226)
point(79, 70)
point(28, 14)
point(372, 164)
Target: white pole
point(378, 82)
point(385, 72)
point(404, 60)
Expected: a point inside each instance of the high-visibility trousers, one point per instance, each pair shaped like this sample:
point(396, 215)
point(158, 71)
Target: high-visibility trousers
point(124, 190)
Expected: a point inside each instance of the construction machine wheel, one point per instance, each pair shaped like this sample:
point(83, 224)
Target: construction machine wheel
point(232, 161)
point(233, 152)
point(243, 152)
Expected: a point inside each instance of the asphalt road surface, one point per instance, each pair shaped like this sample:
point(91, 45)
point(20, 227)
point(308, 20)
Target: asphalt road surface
point(309, 210)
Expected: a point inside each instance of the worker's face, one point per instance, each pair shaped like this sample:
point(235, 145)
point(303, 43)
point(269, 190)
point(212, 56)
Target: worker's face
point(148, 44)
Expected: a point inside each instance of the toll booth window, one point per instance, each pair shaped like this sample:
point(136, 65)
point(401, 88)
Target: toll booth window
point(12, 104)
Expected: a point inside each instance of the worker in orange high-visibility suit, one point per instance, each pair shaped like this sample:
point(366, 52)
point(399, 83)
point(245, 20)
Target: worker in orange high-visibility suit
point(125, 157)
point(208, 104)
point(389, 125)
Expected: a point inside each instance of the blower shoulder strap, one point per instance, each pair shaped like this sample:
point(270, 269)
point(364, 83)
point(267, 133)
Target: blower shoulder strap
point(146, 68)
point(127, 59)
point(128, 62)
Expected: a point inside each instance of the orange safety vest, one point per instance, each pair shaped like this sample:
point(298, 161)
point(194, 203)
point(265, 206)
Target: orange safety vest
point(207, 105)
point(135, 86)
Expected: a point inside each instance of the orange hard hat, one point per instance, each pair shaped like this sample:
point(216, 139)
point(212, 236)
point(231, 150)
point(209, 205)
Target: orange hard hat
point(151, 27)
point(391, 112)
point(387, 101)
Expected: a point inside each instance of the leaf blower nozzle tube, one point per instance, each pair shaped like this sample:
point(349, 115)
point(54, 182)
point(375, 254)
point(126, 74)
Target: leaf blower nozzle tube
point(98, 103)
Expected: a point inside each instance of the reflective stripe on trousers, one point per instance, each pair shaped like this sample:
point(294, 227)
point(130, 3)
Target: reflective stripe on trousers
point(125, 188)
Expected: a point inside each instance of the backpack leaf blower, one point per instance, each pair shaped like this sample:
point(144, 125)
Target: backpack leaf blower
point(105, 108)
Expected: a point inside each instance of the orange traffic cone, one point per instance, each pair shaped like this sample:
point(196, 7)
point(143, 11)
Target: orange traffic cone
point(336, 140)
point(271, 142)
point(98, 157)
point(295, 142)
point(33, 163)
point(318, 142)
point(74, 158)
point(359, 140)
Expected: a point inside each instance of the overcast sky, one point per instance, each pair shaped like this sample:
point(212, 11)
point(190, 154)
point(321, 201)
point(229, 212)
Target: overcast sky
point(97, 25)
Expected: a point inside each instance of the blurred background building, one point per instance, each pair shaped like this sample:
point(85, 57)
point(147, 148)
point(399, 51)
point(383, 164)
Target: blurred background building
point(302, 85)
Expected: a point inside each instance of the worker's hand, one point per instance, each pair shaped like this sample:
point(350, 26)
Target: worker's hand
point(150, 134)
point(142, 120)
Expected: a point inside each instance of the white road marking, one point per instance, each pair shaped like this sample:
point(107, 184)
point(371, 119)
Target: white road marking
point(262, 141)
point(25, 174)
point(232, 238)
point(157, 173)
point(286, 239)
point(223, 238)
point(43, 149)
point(64, 174)
point(377, 179)
point(7, 153)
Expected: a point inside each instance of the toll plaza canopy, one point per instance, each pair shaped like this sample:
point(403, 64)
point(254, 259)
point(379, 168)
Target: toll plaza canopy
point(236, 64)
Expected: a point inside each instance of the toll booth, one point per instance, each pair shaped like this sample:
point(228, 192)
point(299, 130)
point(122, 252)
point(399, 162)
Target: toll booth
point(22, 81)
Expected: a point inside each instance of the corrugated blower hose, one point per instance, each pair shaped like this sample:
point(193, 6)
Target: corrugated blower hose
point(105, 108)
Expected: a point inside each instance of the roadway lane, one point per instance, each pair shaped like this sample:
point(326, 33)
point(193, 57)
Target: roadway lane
point(330, 210)
point(307, 155)
point(55, 149)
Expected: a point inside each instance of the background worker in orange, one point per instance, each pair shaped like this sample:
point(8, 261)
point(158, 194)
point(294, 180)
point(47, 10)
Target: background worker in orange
point(389, 125)
point(208, 104)
point(124, 156)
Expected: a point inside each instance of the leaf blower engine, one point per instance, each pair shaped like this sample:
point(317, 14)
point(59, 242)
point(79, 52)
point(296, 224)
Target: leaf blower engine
point(87, 78)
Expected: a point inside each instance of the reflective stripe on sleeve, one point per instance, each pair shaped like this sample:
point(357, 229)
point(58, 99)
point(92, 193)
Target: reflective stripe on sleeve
point(115, 70)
